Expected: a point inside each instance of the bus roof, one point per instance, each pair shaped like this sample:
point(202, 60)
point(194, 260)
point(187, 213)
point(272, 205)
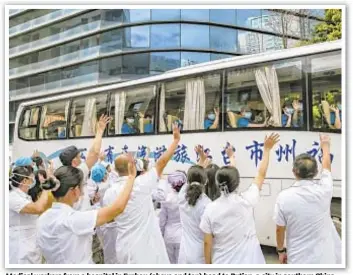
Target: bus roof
point(201, 68)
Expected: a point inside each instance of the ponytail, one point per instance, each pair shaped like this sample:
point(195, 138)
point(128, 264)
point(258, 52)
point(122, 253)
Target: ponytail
point(193, 192)
point(196, 180)
point(212, 190)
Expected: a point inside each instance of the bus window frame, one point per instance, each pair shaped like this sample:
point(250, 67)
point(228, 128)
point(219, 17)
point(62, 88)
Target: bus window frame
point(310, 93)
point(304, 128)
point(32, 126)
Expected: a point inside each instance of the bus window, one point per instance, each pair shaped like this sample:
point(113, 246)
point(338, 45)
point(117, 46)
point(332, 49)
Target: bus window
point(133, 111)
point(192, 102)
point(85, 113)
point(28, 124)
point(269, 95)
point(326, 84)
point(53, 120)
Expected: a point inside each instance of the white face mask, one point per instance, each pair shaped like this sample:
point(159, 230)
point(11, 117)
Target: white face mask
point(30, 186)
point(130, 120)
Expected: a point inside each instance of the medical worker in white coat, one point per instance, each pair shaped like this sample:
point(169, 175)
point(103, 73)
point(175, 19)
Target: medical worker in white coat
point(139, 237)
point(64, 234)
point(228, 222)
point(23, 216)
point(192, 204)
point(302, 214)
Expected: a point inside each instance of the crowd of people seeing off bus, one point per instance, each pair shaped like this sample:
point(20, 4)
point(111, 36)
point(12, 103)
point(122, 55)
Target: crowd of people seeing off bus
point(93, 212)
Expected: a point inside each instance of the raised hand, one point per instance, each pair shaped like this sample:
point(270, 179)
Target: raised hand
point(131, 166)
point(230, 150)
point(176, 131)
point(103, 121)
point(271, 141)
point(325, 140)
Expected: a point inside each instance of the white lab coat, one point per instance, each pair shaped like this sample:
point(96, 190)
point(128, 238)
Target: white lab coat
point(139, 238)
point(230, 219)
point(84, 202)
point(162, 190)
point(192, 238)
point(22, 232)
point(304, 209)
point(65, 235)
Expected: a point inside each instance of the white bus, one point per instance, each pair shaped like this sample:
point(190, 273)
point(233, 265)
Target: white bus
point(296, 92)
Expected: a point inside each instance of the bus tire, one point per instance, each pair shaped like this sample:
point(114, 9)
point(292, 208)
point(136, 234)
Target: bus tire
point(336, 214)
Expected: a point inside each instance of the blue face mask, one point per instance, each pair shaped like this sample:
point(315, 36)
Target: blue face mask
point(211, 116)
point(35, 168)
point(248, 115)
point(339, 106)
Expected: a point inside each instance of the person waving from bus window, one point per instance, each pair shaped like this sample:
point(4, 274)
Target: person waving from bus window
point(212, 119)
point(228, 223)
point(138, 227)
point(292, 114)
point(192, 203)
point(71, 156)
point(336, 116)
point(303, 210)
point(23, 215)
point(245, 119)
point(129, 125)
point(298, 115)
point(148, 124)
point(64, 234)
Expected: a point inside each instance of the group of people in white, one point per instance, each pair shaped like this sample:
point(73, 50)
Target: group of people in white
point(203, 218)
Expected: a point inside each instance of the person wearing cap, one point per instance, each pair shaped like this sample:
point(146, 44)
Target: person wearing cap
point(71, 156)
point(139, 238)
point(169, 217)
point(23, 215)
point(245, 119)
point(64, 234)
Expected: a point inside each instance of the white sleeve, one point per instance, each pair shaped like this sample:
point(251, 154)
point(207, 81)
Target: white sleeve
point(85, 170)
point(17, 203)
point(82, 223)
point(148, 181)
point(278, 215)
point(326, 180)
point(205, 224)
point(252, 195)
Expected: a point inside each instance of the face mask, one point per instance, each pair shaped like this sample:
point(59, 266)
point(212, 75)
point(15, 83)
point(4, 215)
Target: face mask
point(300, 107)
point(339, 106)
point(290, 111)
point(35, 168)
point(211, 116)
point(130, 120)
point(248, 115)
point(30, 186)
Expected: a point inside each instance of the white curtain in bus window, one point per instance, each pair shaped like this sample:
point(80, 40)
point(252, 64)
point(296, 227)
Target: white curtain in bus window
point(42, 119)
point(267, 83)
point(90, 117)
point(327, 91)
point(162, 119)
point(194, 114)
point(120, 101)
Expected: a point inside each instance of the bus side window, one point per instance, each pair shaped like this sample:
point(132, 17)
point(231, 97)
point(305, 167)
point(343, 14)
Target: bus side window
point(53, 120)
point(28, 123)
point(326, 85)
point(85, 112)
point(194, 103)
point(133, 111)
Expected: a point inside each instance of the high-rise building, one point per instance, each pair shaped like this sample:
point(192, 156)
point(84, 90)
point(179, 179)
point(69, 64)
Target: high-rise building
point(58, 51)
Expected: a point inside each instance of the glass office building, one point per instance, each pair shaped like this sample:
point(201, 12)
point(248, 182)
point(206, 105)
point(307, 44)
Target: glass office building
point(57, 51)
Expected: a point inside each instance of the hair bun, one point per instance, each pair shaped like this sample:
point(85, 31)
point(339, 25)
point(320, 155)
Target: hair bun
point(51, 184)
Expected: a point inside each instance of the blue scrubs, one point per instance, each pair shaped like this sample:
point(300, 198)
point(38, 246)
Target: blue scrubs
point(243, 122)
point(333, 117)
point(127, 129)
point(208, 123)
point(148, 128)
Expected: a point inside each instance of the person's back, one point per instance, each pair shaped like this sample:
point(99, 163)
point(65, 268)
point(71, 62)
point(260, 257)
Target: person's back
point(233, 230)
point(172, 228)
point(307, 213)
point(137, 228)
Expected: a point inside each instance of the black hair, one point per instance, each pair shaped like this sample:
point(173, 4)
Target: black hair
point(212, 190)
point(37, 189)
point(196, 174)
point(18, 175)
point(148, 115)
point(68, 176)
point(228, 176)
point(305, 166)
point(38, 161)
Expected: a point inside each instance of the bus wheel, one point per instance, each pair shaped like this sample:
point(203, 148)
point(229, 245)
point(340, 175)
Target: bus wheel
point(336, 214)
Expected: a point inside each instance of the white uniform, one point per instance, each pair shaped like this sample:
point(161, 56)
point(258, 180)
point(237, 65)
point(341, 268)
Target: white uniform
point(230, 219)
point(192, 238)
point(139, 238)
point(65, 235)
point(160, 193)
point(304, 209)
point(84, 202)
point(22, 231)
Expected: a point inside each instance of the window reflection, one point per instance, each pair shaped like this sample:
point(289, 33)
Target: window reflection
point(112, 16)
point(165, 35)
point(250, 18)
point(195, 36)
point(164, 61)
point(223, 39)
point(136, 64)
point(222, 16)
point(137, 37)
point(272, 43)
point(195, 15)
point(192, 58)
point(136, 15)
point(111, 41)
point(217, 56)
point(166, 14)
point(110, 68)
point(250, 42)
